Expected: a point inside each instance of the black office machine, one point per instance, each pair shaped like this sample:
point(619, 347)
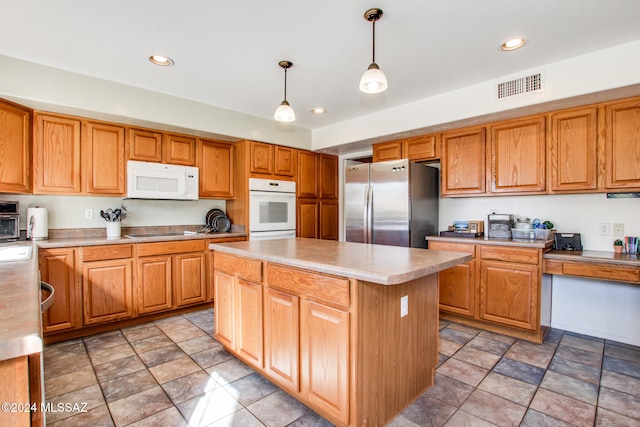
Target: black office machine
point(568, 241)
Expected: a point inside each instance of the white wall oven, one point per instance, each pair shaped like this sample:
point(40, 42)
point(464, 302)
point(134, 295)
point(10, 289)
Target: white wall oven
point(272, 209)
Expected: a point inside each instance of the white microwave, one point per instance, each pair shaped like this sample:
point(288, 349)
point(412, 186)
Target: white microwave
point(160, 181)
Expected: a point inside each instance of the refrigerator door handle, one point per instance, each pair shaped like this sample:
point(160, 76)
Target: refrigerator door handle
point(369, 214)
point(365, 215)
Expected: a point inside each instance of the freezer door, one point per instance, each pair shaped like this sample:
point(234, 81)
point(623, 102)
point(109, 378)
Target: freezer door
point(390, 202)
point(356, 185)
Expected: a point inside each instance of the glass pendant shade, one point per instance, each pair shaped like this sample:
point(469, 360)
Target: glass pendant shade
point(284, 113)
point(373, 80)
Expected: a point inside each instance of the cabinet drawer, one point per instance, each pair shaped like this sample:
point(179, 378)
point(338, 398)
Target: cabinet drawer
point(510, 254)
point(301, 282)
point(248, 268)
point(453, 247)
point(160, 248)
point(99, 253)
point(602, 271)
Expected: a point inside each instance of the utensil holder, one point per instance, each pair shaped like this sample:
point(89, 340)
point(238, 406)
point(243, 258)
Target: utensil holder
point(114, 230)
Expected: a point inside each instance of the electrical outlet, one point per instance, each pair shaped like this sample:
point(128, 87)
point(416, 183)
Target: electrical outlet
point(404, 305)
point(88, 214)
point(618, 229)
point(604, 228)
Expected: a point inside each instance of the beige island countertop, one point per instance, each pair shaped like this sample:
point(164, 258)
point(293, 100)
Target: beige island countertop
point(385, 265)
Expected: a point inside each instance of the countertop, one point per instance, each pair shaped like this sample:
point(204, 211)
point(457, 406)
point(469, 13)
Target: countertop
point(385, 265)
point(523, 243)
point(20, 318)
point(600, 257)
point(93, 241)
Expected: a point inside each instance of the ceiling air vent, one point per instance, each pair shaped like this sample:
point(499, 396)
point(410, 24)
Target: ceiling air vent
point(521, 86)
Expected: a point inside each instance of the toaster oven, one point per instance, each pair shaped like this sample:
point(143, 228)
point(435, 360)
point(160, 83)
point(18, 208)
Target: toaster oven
point(9, 221)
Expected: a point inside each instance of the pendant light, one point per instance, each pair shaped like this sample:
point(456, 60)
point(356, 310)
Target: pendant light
point(284, 113)
point(373, 80)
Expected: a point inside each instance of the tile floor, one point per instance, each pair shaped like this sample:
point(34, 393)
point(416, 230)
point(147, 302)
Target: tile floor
point(172, 372)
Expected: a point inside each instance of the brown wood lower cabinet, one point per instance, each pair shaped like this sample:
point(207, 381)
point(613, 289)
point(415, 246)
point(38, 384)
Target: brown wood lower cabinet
point(107, 283)
point(282, 341)
point(500, 289)
point(58, 267)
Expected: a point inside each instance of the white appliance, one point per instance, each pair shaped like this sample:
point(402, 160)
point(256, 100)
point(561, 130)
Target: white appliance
point(272, 209)
point(146, 180)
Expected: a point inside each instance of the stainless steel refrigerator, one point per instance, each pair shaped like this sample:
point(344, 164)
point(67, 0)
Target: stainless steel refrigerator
point(391, 203)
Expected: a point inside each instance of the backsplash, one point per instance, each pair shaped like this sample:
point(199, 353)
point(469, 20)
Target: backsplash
point(68, 212)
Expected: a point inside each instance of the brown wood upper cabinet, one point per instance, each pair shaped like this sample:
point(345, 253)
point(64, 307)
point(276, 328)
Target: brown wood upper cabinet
point(622, 145)
point(148, 145)
point(15, 148)
point(573, 143)
point(328, 177)
point(517, 155)
point(463, 162)
point(272, 160)
point(216, 162)
point(104, 158)
point(417, 149)
point(56, 154)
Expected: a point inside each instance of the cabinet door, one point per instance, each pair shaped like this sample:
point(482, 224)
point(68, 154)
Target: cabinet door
point(509, 293)
point(328, 176)
point(107, 291)
point(307, 218)
point(144, 145)
point(154, 284)
point(517, 156)
point(261, 158)
point(58, 268)
point(457, 289)
point(216, 169)
point(285, 161)
point(463, 162)
point(224, 307)
point(282, 345)
point(189, 278)
point(325, 358)
point(56, 155)
point(15, 149)
point(622, 145)
point(420, 148)
point(180, 150)
point(329, 219)
point(104, 159)
point(307, 185)
point(573, 150)
point(249, 322)
point(384, 151)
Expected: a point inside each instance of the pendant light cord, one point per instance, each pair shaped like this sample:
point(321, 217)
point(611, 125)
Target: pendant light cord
point(285, 84)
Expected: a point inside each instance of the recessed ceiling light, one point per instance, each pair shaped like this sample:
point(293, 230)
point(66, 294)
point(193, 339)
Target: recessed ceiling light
point(512, 44)
point(163, 61)
point(318, 110)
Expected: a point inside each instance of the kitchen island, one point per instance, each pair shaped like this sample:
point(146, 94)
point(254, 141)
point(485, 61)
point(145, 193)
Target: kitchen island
point(349, 329)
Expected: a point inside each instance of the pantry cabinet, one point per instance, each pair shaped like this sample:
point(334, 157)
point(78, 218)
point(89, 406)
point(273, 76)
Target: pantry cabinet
point(328, 220)
point(15, 148)
point(517, 156)
point(107, 283)
point(58, 267)
point(573, 150)
point(307, 183)
point(216, 162)
point(56, 154)
point(463, 164)
point(307, 217)
point(622, 145)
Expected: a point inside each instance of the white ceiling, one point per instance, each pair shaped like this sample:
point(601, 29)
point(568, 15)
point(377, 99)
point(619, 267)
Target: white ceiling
point(226, 53)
